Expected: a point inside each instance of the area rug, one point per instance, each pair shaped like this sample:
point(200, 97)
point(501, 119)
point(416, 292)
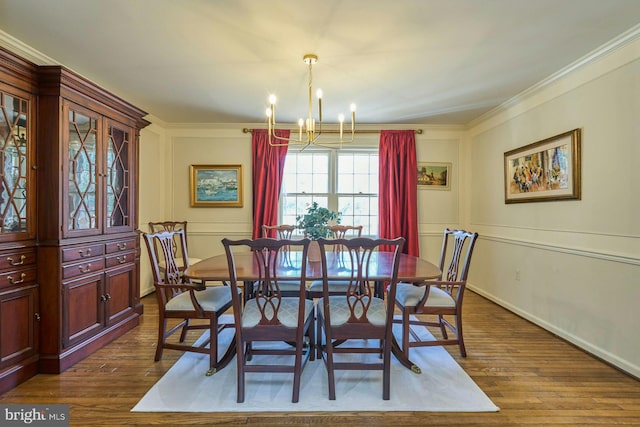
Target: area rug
point(443, 386)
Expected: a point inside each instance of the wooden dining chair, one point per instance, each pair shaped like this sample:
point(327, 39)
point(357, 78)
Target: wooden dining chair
point(155, 227)
point(181, 299)
point(268, 317)
point(283, 232)
point(440, 298)
point(358, 314)
point(336, 287)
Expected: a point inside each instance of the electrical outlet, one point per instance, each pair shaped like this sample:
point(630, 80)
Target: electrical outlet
point(517, 275)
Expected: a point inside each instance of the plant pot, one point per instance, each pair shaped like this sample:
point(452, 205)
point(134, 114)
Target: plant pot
point(313, 254)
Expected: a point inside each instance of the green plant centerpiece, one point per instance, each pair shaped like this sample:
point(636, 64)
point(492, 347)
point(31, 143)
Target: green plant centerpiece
point(316, 221)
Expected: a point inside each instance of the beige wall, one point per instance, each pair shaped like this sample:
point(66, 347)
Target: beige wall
point(569, 266)
point(577, 262)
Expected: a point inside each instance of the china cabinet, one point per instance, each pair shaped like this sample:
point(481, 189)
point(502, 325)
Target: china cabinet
point(19, 296)
point(88, 247)
point(69, 247)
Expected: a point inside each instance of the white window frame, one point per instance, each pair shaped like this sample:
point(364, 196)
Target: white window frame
point(332, 196)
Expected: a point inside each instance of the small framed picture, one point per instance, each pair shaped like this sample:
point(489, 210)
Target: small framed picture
point(546, 170)
point(434, 176)
point(216, 185)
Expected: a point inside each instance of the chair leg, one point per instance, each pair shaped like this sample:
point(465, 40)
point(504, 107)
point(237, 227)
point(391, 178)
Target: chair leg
point(386, 373)
point(443, 328)
point(330, 370)
point(185, 329)
point(463, 350)
point(240, 368)
point(162, 327)
point(297, 370)
point(213, 346)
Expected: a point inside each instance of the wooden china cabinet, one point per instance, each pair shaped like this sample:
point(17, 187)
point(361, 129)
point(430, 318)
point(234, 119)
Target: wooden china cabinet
point(69, 249)
point(88, 247)
point(19, 296)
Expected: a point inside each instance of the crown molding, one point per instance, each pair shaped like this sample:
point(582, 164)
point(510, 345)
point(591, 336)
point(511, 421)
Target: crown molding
point(24, 50)
point(617, 43)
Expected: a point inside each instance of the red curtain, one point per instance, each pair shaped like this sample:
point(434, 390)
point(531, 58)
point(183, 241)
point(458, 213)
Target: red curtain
point(397, 201)
point(268, 166)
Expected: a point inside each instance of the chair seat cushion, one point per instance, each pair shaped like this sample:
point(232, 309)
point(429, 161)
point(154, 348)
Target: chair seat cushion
point(287, 313)
point(340, 312)
point(289, 285)
point(212, 298)
point(334, 286)
point(409, 295)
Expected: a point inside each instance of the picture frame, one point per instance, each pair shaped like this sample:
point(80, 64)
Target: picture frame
point(434, 176)
point(216, 185)
point(546, 170)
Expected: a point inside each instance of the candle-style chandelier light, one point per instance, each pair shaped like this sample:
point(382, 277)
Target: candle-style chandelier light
point(309, 130)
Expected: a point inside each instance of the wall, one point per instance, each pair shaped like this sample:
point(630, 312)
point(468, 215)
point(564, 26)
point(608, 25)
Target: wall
point(167, 151)
point(570, 266)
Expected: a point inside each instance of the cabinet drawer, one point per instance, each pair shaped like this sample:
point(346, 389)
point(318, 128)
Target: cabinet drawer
point(81, 252)
point(80, 268)
point(121, 258)
point(18, 259)
point(17, 277)
point(120, 246)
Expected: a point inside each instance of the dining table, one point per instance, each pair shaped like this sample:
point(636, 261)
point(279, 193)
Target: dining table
point(411, 269)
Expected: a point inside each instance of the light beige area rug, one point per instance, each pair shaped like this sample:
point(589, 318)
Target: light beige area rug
point(443, 386)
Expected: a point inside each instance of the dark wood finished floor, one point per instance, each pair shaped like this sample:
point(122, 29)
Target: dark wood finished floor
point(533, 376)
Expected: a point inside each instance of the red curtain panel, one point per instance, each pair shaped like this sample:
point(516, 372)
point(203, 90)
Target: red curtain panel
point(398, 212)
point(268, 166)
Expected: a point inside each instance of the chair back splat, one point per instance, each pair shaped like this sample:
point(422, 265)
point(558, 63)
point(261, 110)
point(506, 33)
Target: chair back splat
point(358, 314)
point(179, 298)
point(441, 299)
point(269, 317)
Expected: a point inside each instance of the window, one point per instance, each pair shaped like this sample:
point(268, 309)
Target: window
point(342, 180)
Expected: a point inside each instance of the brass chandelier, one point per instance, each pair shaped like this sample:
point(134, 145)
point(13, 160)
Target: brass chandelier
point(309, 130)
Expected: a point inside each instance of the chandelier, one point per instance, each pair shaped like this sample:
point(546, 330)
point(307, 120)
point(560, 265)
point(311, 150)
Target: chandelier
point(309, 130)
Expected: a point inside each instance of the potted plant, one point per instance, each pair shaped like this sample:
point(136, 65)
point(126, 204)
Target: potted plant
point(315, 224)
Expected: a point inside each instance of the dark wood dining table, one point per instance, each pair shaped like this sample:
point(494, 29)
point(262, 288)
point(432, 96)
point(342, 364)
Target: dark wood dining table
point(411, 269)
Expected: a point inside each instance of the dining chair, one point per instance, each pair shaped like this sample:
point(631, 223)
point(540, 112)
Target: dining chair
point(283, 232)
point(358, 315)
point(270, 323)
point(439, 298)
point(155, 227)
point(336, 287)
point(179, 298)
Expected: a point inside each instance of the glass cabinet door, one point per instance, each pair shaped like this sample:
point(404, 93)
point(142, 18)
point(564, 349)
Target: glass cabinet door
point(14, 164)
point(118, 177)
point(82, 146)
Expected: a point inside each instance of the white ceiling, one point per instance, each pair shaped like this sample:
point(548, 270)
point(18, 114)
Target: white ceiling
point(400, 61)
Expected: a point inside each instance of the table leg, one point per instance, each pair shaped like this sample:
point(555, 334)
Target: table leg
point(402, 357)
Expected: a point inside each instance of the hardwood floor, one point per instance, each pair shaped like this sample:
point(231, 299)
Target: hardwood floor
point(533, 376)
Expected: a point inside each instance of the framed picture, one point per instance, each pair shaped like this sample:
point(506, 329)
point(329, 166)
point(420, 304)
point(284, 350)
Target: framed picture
point(216, 185)
point(546, 170)
point(434, 176)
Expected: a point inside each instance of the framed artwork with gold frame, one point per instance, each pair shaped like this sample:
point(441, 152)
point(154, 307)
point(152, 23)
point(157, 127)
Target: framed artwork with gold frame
point(216, 185)
point(546, 170)
point(434, 176)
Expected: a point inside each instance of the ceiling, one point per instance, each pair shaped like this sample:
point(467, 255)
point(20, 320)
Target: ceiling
point(400, 61)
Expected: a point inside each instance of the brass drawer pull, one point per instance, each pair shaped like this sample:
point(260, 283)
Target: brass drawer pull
point(121, 246)
point(13, 262)
point(121, 259)
point(85, 269)
point(16, 282)
point(85, 253)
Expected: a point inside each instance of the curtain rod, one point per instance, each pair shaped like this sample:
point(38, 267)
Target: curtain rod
point(418, 131)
